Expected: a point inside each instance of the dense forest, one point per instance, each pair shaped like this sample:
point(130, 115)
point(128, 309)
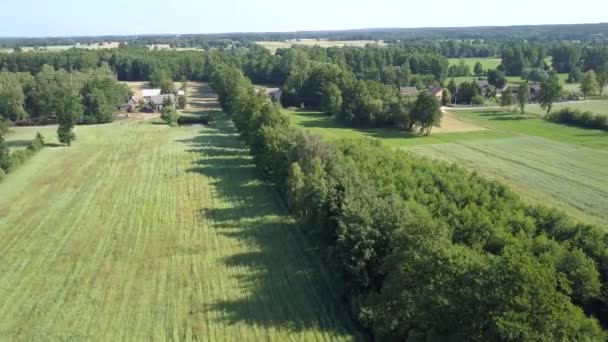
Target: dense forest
point(359, 86)
point(426, 249)
point(538, 34)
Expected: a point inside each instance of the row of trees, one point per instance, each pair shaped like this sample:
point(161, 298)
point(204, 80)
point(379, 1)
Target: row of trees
point(9, 161)
point(45, 96)
point(427, 250)
point(67, 98)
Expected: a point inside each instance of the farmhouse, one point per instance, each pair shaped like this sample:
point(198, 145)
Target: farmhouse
point(157, 102)
point(437, 92)
point(130, 105)
point(149, 93)
point(484, 86)
point(408, 91)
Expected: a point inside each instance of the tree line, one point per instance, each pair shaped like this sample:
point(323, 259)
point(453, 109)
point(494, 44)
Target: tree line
point(59, 96)
point(426, 250)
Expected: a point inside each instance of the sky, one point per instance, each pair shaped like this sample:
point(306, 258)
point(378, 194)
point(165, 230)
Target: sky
point(38, 18)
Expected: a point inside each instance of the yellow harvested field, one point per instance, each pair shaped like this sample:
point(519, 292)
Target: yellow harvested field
point(274, 46)
point(452, 124)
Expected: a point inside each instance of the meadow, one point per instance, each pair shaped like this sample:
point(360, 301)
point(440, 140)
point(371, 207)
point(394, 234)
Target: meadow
point(486, 63)
point(140, 231)
point(561, 166)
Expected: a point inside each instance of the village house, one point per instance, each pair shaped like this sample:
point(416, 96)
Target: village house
point(408, 91)
point(146, 94)
point(437, 92)
point(156, 102)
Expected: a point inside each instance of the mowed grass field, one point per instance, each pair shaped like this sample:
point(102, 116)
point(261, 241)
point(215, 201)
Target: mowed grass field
point(551, 164)
point(142, 232)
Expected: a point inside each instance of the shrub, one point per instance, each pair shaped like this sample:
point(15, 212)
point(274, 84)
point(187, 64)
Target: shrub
point(575, 117)
point(477, 100)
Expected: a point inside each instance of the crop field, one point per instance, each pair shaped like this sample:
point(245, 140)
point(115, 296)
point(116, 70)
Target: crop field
point(274, 46)
point(553, 164)
point(140, 231)
point(486, 63)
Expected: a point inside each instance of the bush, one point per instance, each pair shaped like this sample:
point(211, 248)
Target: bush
point(477, 100)
point(575, 117)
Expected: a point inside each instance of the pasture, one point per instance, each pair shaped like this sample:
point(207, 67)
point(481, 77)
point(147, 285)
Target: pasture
point(140, 231)
point(565, 167)
point(486, 63)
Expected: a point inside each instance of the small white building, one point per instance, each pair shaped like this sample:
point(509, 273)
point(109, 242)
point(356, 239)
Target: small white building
point(149, 93)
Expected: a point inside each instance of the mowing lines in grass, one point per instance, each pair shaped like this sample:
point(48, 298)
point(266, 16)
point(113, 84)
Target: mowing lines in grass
point(144, 232)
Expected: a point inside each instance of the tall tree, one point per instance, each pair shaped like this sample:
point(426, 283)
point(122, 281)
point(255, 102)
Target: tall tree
point(550, 92)
point(522, 96)
point(5, 161)
point(602, 77)
point(426, 112)
point(506, 100)
point(589, 84)
point(478, 69)
point(331, 98)
point(497, 78)
point(68, 110)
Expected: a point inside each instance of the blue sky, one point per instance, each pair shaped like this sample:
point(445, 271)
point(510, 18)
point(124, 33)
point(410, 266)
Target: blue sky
point(81, 17)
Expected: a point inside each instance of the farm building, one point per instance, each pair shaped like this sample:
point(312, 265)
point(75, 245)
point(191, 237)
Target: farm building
point(181, 93)
point(408, 91)
point(130, 105)
point(157, 102)
point(275, 95)
point(149, 93)
point(437, 92)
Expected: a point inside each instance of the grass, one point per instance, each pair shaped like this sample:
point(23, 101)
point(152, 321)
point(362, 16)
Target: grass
point(326, 125)
point(486, 63)
point(144, 232)
point(595, 106)
point(561, 166)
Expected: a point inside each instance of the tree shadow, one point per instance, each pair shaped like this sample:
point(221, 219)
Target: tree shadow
point(283, 283)
point(321, 120)
point(511, 118)
point(17, 143)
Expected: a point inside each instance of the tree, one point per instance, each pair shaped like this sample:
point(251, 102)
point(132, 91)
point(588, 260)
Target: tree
point(68, 112)
point(331, 98)
point(589, 84)
point(478, 69)
point(5, 161)
point(506, 100)
point(12, 98)
point(497, 78)
point(167, 87)
point(446, 97)
point(453, 88)
point(550, 92)
point(575, 75)
point(426, 112)
point(602, 77)
point(168, 113)
point(158, 76)
point(522, 96)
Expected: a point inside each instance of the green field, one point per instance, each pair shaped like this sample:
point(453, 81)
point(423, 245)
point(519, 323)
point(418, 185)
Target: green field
point(144, 232)
point(486, 63)
point(594, 106)
point(557, 165)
